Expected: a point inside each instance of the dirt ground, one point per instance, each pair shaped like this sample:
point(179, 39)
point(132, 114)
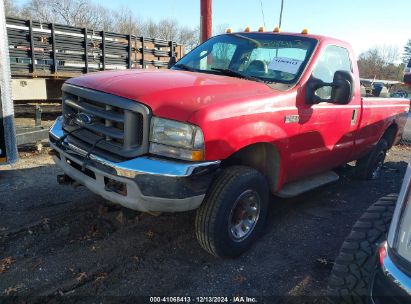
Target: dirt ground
point(60, 240)
point(29, 122)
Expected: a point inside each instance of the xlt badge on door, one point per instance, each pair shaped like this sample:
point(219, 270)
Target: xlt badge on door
point(292, 118)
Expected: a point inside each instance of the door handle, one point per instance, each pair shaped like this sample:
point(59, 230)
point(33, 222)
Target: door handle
point(354, 117)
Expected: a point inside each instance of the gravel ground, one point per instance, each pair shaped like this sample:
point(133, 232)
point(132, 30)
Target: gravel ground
point(58, 240)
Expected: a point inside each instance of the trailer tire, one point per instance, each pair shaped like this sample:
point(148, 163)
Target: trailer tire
point(369, 167)
point(233, 213)
point(350, 277)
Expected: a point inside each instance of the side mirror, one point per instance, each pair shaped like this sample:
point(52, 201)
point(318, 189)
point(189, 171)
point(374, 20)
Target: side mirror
point(171, 62)
point(341, 89)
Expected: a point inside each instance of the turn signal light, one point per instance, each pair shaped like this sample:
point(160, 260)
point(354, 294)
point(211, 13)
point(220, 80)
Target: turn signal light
point(197, 155)
point(382, 252)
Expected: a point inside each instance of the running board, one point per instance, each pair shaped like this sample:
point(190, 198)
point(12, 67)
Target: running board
point(298, 187)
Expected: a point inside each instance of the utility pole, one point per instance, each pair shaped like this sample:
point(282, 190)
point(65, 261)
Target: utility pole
point(8, 147)
point(281, 13)
point(206, 23)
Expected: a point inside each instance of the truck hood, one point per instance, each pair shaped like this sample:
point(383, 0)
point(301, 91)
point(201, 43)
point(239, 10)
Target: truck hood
point(170, 93)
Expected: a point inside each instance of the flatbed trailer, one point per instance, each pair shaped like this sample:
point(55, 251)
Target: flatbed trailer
point(8, 147)
point(43, 55)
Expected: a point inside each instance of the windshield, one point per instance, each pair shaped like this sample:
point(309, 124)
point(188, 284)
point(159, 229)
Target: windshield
point(270, 58)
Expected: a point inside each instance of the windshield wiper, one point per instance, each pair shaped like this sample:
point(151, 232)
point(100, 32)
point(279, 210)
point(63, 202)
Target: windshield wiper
point(185, 67)
point(234, 73)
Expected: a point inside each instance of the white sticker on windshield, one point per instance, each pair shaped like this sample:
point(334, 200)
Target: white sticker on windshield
point(284, 64)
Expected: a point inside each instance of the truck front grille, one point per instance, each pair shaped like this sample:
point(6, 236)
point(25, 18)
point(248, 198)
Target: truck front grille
point(105, 123)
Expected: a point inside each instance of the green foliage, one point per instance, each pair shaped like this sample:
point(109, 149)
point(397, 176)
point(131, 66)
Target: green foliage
point(406, 55)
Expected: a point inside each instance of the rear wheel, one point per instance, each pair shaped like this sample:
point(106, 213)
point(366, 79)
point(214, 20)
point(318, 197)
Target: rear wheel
point(370, 166)
point(352, 272)
point(232, 215)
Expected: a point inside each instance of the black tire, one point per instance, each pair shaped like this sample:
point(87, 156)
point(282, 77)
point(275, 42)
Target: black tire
point(369, 167)
point(352, 272)
point(213, 224)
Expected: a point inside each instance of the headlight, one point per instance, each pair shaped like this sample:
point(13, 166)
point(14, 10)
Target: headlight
point(404, 230)
point(176, 139)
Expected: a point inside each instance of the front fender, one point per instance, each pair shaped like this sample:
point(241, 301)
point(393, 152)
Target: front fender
point(223, 140)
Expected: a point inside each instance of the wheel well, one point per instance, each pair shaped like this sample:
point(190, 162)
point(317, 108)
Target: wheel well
point(263, 157)
point(390, 134)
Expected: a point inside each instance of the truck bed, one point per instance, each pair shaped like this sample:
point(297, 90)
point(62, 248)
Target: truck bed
point(376, 116)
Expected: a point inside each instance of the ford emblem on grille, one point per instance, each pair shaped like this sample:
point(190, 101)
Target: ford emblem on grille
point(84, 118)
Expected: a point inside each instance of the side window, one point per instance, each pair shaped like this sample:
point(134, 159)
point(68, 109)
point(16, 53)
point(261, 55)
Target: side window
point(334, 58)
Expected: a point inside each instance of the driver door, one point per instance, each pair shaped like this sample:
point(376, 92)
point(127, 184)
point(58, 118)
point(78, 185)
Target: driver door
point(326, 135)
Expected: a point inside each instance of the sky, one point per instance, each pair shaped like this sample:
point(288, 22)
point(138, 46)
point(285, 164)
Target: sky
point(363, 23)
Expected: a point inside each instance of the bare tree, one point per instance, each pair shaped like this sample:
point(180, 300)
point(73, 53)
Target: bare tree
point(81, 13)
point(220, 28)
point(190, 38)
point(106, 19)
point(380, 62)
point(150, 29)
point(96, 17)
point(389, 53)
point(126, 23)
point(39, 10)
point(11, 9)
point(169, 29)
point(72, 12)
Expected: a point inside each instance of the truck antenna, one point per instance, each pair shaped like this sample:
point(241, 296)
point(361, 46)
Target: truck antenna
point(262, 12)
point(281, 13)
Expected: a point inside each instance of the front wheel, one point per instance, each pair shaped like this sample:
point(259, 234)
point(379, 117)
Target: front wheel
point(232, 215)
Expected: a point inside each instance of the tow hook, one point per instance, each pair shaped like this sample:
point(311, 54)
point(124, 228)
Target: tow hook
point(112, 185)
point(53, 152)
point(64, 179)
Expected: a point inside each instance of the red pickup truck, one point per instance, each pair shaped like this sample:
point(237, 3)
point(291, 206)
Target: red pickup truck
point(241, 116)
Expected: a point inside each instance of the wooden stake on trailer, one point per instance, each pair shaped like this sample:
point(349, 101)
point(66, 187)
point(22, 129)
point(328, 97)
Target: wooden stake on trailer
point(8, 147)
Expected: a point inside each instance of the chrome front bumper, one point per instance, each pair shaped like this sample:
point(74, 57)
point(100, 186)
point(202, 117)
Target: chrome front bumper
point(390, 284)
point(152, 183)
